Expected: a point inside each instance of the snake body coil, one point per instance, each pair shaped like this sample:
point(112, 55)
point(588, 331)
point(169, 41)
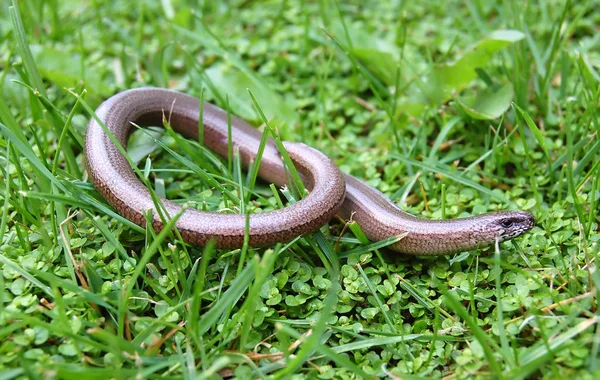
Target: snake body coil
point(331, 192)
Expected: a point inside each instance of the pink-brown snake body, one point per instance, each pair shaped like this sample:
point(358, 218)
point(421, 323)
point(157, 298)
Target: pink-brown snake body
point(331, 192)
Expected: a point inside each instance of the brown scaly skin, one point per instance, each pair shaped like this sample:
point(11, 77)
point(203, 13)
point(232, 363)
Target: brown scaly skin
point(330, 191)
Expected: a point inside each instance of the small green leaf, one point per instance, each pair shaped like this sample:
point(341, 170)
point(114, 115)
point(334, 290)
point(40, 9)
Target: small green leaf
point(236, 84)
point(369, 312)
point(112, 361)
point(301, 287)
point(344, 308)
point(303, 274)
point(380, 56)
point(78, 242)
point(301, 299)
point(275, 300)
point(18, 286)
point(161, 308)
point(266, 289)
point(41, 335)
point(488, 104)
point(447, 80)
point(387, 289)
point(282, 278)
point(107, 249)
point(321, 282)
point(22, 340)
point(142, 144)
point(62, 69)
point(381, 62)
point(67, 349)
point(291, 301)
point(450, 78)
point(33, 354)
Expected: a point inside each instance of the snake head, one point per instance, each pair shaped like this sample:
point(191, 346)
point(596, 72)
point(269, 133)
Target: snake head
point(510, 224)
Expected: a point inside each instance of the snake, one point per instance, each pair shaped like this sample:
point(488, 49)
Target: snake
point(330, 192)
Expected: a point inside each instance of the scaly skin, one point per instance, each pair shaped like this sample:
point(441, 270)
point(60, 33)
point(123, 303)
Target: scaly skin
point(330, 191)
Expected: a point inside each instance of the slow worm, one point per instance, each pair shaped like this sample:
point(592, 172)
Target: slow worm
point(331, 192)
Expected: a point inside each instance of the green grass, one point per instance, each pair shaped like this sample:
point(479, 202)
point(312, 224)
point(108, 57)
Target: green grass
point(451, 109)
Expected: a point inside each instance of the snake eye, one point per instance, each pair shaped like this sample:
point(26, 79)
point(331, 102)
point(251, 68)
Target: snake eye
point(506, 223)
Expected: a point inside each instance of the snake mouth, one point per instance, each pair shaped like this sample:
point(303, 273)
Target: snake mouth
point(532, 221)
